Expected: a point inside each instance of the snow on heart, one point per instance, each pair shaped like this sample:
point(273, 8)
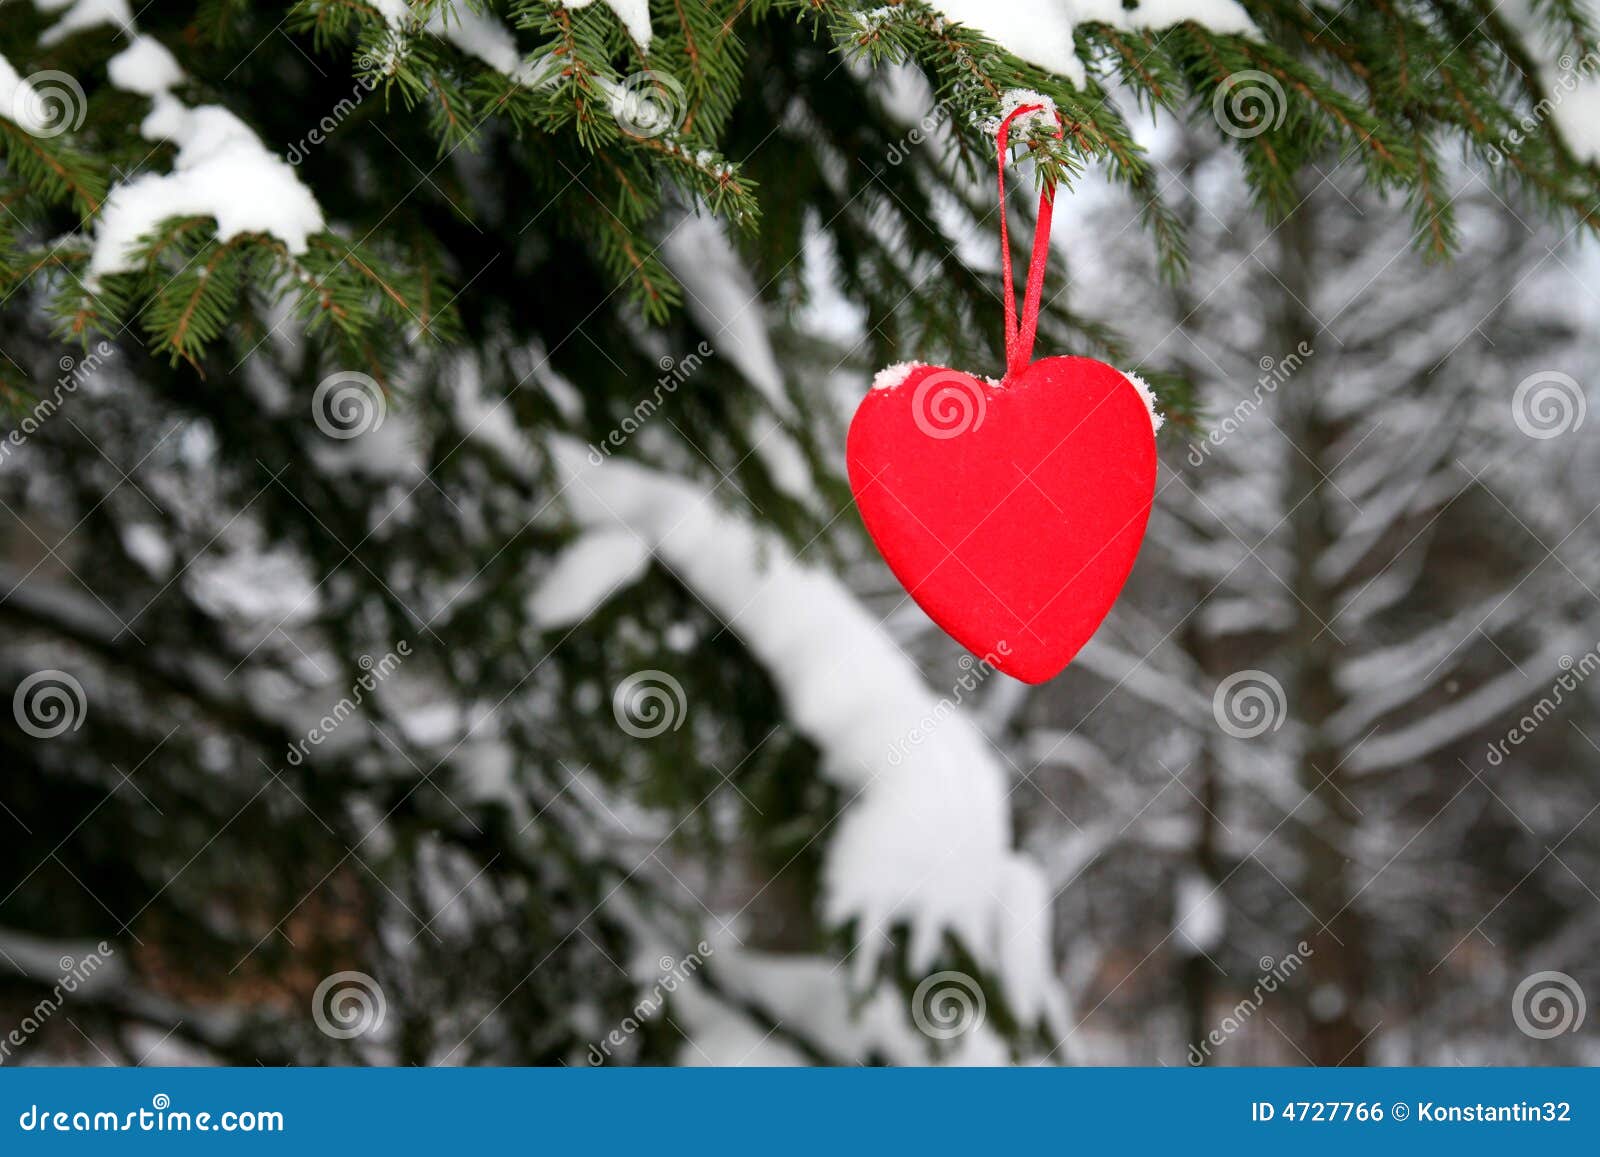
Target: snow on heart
point(893, 375)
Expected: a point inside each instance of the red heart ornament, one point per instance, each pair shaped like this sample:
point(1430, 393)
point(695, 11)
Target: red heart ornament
point(1011, 512)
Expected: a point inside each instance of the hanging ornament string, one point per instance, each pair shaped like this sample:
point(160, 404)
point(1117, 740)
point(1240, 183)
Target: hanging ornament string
point(922, 452)
point(1019, 338)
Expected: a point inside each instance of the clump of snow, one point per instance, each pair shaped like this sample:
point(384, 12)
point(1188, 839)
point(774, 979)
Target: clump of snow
point(1043, 116)
point(149, 548)
point(891, 376)
point(222, 171)
point(1157, 419)
point(585, 574)
point(19, 103)
point(478, 36)
point(1041, 31)
point(81, 14)
point(483, 416)
point(1201, 918)
point(895, 375)
point(472, 32)
point(634, 14)
point(488, 40)
point(1035, 31)
point(388, 449)
point(144, 67)
point(482, 36)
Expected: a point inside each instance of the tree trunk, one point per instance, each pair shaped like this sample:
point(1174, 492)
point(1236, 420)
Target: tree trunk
point(1199, 974)
point(1335, 981)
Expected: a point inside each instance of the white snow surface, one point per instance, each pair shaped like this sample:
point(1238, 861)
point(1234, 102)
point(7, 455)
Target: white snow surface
point(1043, 117)
point(144, 67)
point(475, 34)
point(1201, 917)
point(222, 171)
point(80, 14)
point(1157, 419)
point(634, 14)
point(492, 42)
point(895, 375)
point(1041, 31)
point(149, 548)
point(891, 376)
point(19, 102)
point(926, 843)
point(587, 572)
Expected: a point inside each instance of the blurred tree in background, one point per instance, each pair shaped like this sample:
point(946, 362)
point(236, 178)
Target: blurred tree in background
point(436, 627)
point(1377, 555)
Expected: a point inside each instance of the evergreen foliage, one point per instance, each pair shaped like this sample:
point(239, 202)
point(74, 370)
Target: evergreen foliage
point(494, 242)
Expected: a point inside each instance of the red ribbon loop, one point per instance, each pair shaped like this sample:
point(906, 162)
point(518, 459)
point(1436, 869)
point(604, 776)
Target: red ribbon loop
point(1019, 339)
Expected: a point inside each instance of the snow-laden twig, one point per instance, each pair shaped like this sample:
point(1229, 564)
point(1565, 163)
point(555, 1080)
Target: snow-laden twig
point(222, 171)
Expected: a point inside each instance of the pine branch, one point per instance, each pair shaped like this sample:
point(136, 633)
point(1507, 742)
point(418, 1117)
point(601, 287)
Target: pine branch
point(55, 172)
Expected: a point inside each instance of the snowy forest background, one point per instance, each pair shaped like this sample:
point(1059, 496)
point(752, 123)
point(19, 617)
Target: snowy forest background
point(527, 692)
